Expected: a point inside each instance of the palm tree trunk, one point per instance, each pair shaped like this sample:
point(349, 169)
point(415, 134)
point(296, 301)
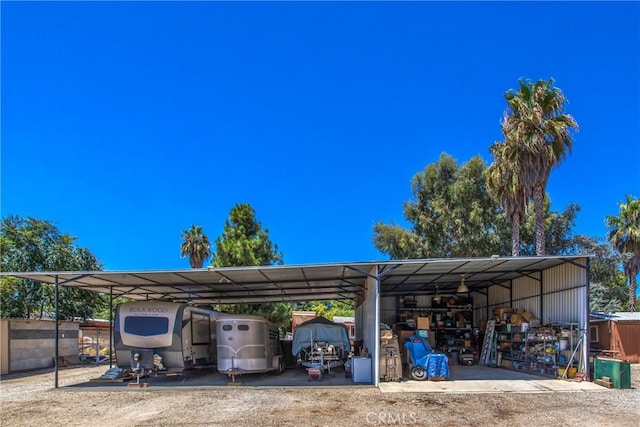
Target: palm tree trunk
point(633, 286)
point(538, 206)
point(515, 235)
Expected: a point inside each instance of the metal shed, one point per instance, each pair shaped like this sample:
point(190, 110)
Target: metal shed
point(555, 288)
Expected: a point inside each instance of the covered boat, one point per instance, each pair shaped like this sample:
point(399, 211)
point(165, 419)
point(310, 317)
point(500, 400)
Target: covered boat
point(320, 344)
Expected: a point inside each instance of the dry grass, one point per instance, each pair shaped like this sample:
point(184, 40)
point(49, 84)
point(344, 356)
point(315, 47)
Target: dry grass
point(29, 400)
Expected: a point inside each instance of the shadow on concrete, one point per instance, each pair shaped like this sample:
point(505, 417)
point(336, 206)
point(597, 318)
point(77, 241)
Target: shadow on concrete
point(210, 377)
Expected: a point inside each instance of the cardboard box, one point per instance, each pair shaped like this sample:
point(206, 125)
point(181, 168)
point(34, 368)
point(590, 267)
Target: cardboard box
point(500, 312)
point(506, 363)
point(403, 335)
point(423, 323)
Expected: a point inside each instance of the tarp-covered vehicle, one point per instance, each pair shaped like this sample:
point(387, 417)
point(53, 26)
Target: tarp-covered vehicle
point(319, 345)
point(425, 363)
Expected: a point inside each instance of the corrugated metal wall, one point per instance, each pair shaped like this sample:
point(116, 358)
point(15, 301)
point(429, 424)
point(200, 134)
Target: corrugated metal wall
point(388, 312)
point(526, 293)
point(555, 295)
point(565, 295)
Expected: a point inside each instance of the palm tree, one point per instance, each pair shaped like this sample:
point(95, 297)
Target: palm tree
point(196, 246)
point(624, 235)
point(539, 135)
point(504, 186)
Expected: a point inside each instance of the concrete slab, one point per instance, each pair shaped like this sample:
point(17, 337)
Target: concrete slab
point(294, 377)
point(481, 379)
point(463, 379)
point(489, 386)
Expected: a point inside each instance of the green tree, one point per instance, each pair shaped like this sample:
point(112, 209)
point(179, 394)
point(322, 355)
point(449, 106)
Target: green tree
point(452, 214)
point(245, 243)
point(505, 187)
point(30, 244)
point(624, 235)
point(539, 135)
point(558, 229)
point(195, 245)
point(329, 308)
point(607, 284)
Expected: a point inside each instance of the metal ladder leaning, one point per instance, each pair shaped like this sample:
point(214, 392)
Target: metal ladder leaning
point(488, 355)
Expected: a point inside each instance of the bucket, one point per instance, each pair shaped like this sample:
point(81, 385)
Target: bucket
point(571, 373)
point(564, 343)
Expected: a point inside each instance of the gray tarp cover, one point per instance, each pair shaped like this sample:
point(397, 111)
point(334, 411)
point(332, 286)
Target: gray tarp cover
point(320, 330)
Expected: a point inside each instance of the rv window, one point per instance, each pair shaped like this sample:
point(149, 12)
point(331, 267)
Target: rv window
point(200, 332)
point(146, 326)
point(226, 327)
point(243, 327)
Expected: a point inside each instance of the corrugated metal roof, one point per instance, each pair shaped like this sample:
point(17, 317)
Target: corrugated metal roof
point(616, 316)
point(302, 282)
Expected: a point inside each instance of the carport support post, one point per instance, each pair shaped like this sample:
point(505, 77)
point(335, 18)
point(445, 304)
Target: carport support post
point(376, 348)
point(55, 358)
point(110, 328)
point(586, 347)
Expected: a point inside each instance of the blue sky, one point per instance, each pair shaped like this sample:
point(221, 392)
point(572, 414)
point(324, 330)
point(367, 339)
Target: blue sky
point(125, 123)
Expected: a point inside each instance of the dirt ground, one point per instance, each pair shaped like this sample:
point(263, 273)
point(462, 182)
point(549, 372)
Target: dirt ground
point(30, 400)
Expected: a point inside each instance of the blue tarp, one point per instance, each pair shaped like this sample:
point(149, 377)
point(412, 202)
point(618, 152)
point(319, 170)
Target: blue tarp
point(436, 365)
point(320, 330)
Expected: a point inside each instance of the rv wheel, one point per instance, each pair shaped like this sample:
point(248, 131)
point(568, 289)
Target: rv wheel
point(418, 373)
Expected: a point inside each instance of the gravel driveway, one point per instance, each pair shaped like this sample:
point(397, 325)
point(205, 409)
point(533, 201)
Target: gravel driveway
point(30, 400)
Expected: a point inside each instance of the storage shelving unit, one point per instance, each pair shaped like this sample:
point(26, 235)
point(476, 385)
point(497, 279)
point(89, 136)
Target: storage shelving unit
point(538, 350)
point(511, 348)
point(450, 323)
point(542, 345)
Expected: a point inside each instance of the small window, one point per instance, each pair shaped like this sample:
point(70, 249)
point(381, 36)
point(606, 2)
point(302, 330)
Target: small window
point(226, 327)
point(200, 328)
point(593, 334)
point(243, 327)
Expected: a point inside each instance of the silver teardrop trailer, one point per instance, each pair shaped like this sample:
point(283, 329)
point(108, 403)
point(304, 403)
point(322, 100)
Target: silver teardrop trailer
point(166, 337)
point(248, 344)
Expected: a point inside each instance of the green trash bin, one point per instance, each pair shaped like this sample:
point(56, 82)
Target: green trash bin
point(618, 370)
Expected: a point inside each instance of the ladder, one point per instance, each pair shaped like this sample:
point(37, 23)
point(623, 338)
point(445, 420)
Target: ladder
point(488, 355)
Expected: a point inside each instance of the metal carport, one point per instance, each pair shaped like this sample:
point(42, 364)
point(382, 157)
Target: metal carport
point(543, 284)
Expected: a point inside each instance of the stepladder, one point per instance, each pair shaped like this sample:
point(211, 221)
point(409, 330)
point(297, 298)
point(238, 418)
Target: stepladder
point(488, 355)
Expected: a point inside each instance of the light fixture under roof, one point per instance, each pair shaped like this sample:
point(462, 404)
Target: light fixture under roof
point(436, 298)
point(462, 288)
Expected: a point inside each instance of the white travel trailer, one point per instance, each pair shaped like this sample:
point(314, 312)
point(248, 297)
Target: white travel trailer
point(160, 336)
point(248, 344)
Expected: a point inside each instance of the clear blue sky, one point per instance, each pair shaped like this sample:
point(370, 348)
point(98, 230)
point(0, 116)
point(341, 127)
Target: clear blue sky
point(125, 123)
